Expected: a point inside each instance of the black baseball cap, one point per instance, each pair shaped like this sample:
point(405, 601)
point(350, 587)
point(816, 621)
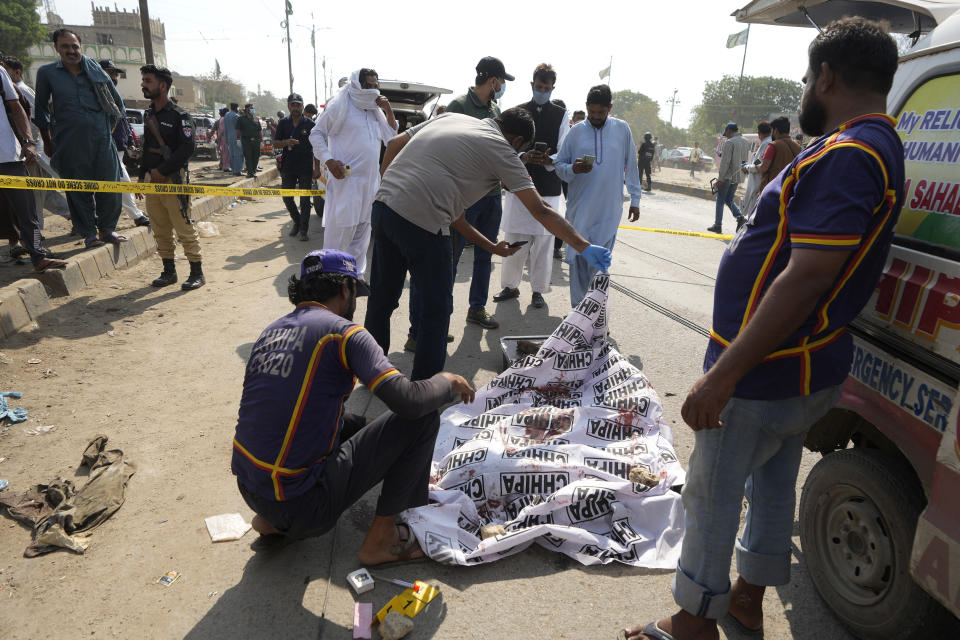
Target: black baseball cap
point(294, 97)
point(493, 68)
point(107, 65)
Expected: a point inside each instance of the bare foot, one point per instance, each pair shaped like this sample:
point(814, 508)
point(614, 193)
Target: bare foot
point(682, 626)
point(261, 526)
point(746, 604)
point(393, 544)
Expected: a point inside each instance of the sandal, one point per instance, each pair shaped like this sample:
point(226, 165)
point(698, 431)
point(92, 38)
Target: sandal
point(113, 237)
point(652, 630)
point(270, 542)
point(17, 250)
point(404, 550)
point(49, 263)
point(93, 242)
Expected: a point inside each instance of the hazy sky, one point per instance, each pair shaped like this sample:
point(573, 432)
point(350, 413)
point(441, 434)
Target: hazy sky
point(657, 45)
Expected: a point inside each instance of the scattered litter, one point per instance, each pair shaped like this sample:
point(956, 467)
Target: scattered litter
point(394, 626)
point(160, 521)
point(226, 526)
point(2, 459)
point(169, 578)
point(111, 333)
point(207, 229)
point(4, 484)
point(48, 373)
point(36, 431)
point(17, 414)
point(669, 395)
point(360, 581)
point(4, 359)
point(34, 361)
point(212, 593)
point(492, 531)
point(362, 618)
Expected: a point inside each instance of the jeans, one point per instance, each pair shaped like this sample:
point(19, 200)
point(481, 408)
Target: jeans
point(725, 193)
point(301, 218)
point(755, 454)
point(390, 449)
point(20, 205)
point(484, 215)
point(400, 246)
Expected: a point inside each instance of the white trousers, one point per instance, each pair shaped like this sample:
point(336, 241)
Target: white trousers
point(354, 240)
point(540, 250)
point(129, 204)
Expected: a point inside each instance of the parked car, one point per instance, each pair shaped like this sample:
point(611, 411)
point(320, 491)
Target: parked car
point(880, 512)
point(135, 118)
point(679, 158)
point(204, 136)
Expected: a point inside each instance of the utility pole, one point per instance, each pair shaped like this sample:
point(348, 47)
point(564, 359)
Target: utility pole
point(313, 43)
point(147, 34)
point(288, 10)
point(673, 102)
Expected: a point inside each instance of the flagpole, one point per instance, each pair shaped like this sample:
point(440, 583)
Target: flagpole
point(610, 73)
point(742, 65)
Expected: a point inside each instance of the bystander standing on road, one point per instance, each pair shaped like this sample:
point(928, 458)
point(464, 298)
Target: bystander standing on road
point(480, 101)
point(250, 134)
point(123, 139)
point(87, 108)
point(733, 155)
point(752, 169)
point(779, 153)
point(696, 159)
point(19, 216)
point(595, 158)
point(517, 224)
point(222, 140)
point(347, 140)
point(296, 163)
point(300, 463)
point(168, 143)
point(779, 351)
point(447, 162)
point(646, 157)
point(319, 170)
point(577, 116)
point(233, 140)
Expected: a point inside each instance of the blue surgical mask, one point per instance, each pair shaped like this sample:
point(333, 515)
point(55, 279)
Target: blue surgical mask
point(499, 92)
point(542, 97)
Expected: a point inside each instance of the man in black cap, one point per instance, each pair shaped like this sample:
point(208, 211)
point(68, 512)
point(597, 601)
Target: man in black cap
point(250, 134)
point(123, 138)
point(484, 215)
point(296, 162)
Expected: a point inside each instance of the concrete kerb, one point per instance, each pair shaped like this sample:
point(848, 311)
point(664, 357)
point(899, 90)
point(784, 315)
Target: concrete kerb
point(25, 300)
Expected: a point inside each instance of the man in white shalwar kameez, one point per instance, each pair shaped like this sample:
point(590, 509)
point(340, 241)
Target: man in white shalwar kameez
point(752, 169)
point(347, 139)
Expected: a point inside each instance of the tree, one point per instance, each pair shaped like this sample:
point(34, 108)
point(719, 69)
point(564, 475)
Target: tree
point(220, 88)
point(643, 114)
point(20, 28)
point(725, 100)
point(266, 103)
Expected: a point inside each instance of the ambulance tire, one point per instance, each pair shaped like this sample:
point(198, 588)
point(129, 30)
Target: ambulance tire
point(858, 515)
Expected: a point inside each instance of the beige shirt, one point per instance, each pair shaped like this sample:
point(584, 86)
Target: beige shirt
point(451, 161)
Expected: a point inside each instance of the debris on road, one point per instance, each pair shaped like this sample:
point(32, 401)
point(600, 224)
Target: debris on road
point(34, 361)
point(362, 619)
point(36, 431)
point(226, 527)
point(3, 484)
point(395, 625)
point(17, 414)
point(168, 578)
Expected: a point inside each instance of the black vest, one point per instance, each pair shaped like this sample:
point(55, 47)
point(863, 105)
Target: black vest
point(547, 118)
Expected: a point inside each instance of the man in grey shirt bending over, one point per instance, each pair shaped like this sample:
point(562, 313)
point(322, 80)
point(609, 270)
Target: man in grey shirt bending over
point(431, 174)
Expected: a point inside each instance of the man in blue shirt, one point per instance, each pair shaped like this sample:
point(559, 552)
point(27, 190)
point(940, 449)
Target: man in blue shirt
point(801, 268)
point(86, 109)
point(296, 163)
point(233, 143)
point(299, 461)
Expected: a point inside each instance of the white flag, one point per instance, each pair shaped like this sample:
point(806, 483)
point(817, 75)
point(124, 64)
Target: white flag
point(737, 39)
point(605, 73)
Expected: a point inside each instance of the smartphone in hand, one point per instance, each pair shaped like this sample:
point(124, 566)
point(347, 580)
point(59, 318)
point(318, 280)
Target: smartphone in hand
point(541, 147)
point(514, 245)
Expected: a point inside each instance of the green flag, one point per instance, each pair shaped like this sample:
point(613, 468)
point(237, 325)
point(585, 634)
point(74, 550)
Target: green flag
point(737, 39)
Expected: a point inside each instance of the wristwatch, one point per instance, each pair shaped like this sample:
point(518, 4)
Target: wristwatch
point(32, 142)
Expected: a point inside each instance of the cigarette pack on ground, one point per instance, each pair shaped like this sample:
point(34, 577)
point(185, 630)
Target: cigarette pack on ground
point(360, 581)
point(226, 526)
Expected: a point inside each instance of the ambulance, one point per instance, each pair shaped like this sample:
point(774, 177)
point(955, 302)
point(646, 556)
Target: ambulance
point(880, 512)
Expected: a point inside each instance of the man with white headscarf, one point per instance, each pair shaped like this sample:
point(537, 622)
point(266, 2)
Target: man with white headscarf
point(347, 139)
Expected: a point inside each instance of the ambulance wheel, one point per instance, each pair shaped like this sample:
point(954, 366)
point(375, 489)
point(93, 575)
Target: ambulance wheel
point(858, 516)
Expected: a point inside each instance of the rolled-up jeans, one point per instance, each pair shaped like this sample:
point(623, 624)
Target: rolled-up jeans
point(756, 453)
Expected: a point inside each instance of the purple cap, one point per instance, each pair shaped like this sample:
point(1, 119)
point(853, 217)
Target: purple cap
point(333, 261)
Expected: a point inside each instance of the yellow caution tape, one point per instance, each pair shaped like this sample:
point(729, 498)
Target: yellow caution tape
point(673, 232)
point(148, 188)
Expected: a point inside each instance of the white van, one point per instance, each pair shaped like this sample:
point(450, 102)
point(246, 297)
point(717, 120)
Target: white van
point(880, 513)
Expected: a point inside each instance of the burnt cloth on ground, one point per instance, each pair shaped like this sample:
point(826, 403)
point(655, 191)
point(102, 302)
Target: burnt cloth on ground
point(566, 448)
point(57, 511)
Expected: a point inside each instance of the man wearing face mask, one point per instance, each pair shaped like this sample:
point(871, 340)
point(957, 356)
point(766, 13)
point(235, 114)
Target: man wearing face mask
point(248, 128)
point(446, 163)
point(296, 170)
point(517, 224)
point(480, 101)
point(347, 139)
point(594, 159)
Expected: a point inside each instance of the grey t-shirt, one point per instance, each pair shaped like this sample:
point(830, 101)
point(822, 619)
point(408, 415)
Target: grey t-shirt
point(451, 161)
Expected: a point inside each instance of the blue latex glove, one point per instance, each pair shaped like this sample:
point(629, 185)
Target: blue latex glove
point(597, 257)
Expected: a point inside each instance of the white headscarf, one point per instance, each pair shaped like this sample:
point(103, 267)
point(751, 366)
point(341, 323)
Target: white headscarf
point(352, 93)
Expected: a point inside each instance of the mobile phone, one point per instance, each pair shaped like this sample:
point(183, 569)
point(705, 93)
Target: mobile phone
point(541, 147)
point(514, 245)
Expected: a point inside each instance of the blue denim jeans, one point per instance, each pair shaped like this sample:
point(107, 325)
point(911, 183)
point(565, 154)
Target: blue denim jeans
point(755, 454)
point(400, 246)
point(484, 215)
point(725, 193)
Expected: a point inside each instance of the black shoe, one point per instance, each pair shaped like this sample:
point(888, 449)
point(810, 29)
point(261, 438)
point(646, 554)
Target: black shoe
point(538, 302)
point(142, 221)
point(715, 229)
point(169, 275)
point(506, 294)
point(195, 280)
point(294, 231)
point(740, 222)
point(304, 237)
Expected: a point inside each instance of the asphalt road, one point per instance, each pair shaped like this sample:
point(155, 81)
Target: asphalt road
point(160, 372)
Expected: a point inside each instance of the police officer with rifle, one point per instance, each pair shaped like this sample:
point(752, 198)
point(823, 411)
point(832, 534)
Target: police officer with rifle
point(167, 147)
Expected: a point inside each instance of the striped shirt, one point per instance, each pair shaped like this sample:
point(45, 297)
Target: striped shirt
point(300, 373)
point(842, 193)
